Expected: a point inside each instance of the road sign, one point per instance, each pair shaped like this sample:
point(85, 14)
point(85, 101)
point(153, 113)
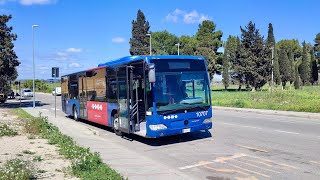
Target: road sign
point(55, 72)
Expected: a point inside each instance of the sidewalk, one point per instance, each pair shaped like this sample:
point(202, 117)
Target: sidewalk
point(271, 112)
point(128, 163)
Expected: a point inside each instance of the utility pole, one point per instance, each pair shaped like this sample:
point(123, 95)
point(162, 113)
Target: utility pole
point(178, 44)
point(34, 73)
point(149, 34)
point(272, 56)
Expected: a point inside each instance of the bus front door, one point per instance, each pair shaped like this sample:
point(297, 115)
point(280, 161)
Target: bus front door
point(83, 97)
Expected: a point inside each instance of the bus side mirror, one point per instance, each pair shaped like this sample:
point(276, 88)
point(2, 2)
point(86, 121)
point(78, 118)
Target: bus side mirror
point(152, 73)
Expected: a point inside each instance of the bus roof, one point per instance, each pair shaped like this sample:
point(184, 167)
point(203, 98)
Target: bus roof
point(129, 59)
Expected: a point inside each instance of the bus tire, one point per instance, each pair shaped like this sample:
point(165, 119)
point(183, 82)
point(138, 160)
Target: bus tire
point(75, 113)
point(116, 125)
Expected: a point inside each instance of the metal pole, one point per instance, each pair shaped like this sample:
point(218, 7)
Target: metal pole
point(150, 45)
point(33, 85)
point(34, 73)
point(55, 95)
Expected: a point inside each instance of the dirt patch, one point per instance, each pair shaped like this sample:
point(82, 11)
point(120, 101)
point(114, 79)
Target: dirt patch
point(45, 158)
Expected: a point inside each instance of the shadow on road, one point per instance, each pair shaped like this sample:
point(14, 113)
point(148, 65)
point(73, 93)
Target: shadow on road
point(15, 103)
point(194, 136)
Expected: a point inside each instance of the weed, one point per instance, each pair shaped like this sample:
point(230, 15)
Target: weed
point(28, 152)
point(19, 154)
point(38, 158)
point(5, 130)
point(16, 169)
point(32, 142)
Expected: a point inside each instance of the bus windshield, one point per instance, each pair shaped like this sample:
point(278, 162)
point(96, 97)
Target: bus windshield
point(181, 86)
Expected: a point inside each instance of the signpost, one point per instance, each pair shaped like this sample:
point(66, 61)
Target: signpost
point(55, 74)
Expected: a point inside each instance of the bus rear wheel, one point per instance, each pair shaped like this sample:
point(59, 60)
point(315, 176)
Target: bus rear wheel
point(75, 113)
point(116, 125)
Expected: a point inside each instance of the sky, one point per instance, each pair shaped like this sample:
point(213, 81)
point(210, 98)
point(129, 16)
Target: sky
point(76, 35)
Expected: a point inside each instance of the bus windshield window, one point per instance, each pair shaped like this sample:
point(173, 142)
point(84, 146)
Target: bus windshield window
point(181, 89)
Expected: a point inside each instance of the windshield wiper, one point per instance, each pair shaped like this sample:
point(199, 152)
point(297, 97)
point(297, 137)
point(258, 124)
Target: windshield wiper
point(171, 111)
point(201, 107)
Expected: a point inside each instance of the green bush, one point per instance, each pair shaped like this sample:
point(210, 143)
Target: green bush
point(16, 169)
point(6, 131)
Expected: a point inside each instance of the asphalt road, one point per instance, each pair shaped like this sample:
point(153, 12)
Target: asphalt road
point(241, 145)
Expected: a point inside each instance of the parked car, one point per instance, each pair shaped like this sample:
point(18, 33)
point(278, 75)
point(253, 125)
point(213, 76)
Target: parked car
point(27, 93)
point(3, 98)
point(58, 91)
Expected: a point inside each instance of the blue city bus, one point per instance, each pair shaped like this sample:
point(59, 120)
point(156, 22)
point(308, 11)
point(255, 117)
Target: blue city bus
point(151, 96)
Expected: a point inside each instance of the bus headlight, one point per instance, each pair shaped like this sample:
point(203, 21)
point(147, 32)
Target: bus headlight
point(208, 120)
point(157, 127)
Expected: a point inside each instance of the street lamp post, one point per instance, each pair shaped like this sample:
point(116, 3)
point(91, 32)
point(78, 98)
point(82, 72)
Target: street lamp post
point(178, 44)
point(149, 34)
point(272, 51)
point(34, 74)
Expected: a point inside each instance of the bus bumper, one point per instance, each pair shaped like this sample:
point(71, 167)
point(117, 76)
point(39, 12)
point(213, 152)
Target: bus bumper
point(172, 131)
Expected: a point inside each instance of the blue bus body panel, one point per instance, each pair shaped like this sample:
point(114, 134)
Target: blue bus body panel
point(69, 106)
point(176, 123)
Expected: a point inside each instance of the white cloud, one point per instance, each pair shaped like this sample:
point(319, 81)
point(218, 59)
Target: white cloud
point(73, 50)
point(33, 2)
point(118, 40)
point(188, 17)
point(74, 65)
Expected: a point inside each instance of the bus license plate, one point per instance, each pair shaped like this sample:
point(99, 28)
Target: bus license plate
point(185, 130)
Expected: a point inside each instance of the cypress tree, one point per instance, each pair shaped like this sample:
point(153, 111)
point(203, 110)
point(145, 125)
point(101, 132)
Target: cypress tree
point(254, 62)
point(314, 68)
point(291, 67)
point(284, 67)
point(271, 44)
point(225, 73)
point(305, 67)
point(296, 78)
point(139, 42)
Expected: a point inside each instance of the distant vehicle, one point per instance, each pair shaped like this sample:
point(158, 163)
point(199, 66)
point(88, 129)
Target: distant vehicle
point(151, 96)
point(3, 98)
point(56, 91)
point(10, 94)
point(26, 93)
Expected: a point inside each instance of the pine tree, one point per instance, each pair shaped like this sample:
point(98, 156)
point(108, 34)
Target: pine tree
point(8, 58)
point(314, 68)
point(209, 40)
point(139, 42)
point(296, 78)
point(317, 49)
point(254, 63)
point(284, 67)
point(305, 67)
point(231, 52)
point(271, 46)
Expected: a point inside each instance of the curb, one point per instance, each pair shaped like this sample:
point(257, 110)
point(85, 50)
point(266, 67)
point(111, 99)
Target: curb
point(271, 112)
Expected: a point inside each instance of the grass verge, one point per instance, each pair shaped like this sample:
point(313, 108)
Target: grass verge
point(302, 100)
point(5, 130)
point(85, 165)
point(16, 169)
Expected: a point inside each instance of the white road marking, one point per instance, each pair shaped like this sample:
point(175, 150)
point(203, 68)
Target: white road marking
point(288, 132)
point(217, 160)
point(45, 109)
point(57, 109)
point(231, 124)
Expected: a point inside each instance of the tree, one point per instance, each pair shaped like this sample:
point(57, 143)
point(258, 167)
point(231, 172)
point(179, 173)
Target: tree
point(231, 58)
point(163, 43)
point(296, 78)
point(284, 67)
point(317, 49)
point(8, 58)
point(254, 63)
point(139, 42)
point(271, 46)
point(291, 46)
point(314, 68)
point(305, 67)
point(188, 45)
point(291, 68)
point(209, 41)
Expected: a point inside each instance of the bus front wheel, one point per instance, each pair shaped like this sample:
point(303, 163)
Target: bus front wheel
point(116, 125)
